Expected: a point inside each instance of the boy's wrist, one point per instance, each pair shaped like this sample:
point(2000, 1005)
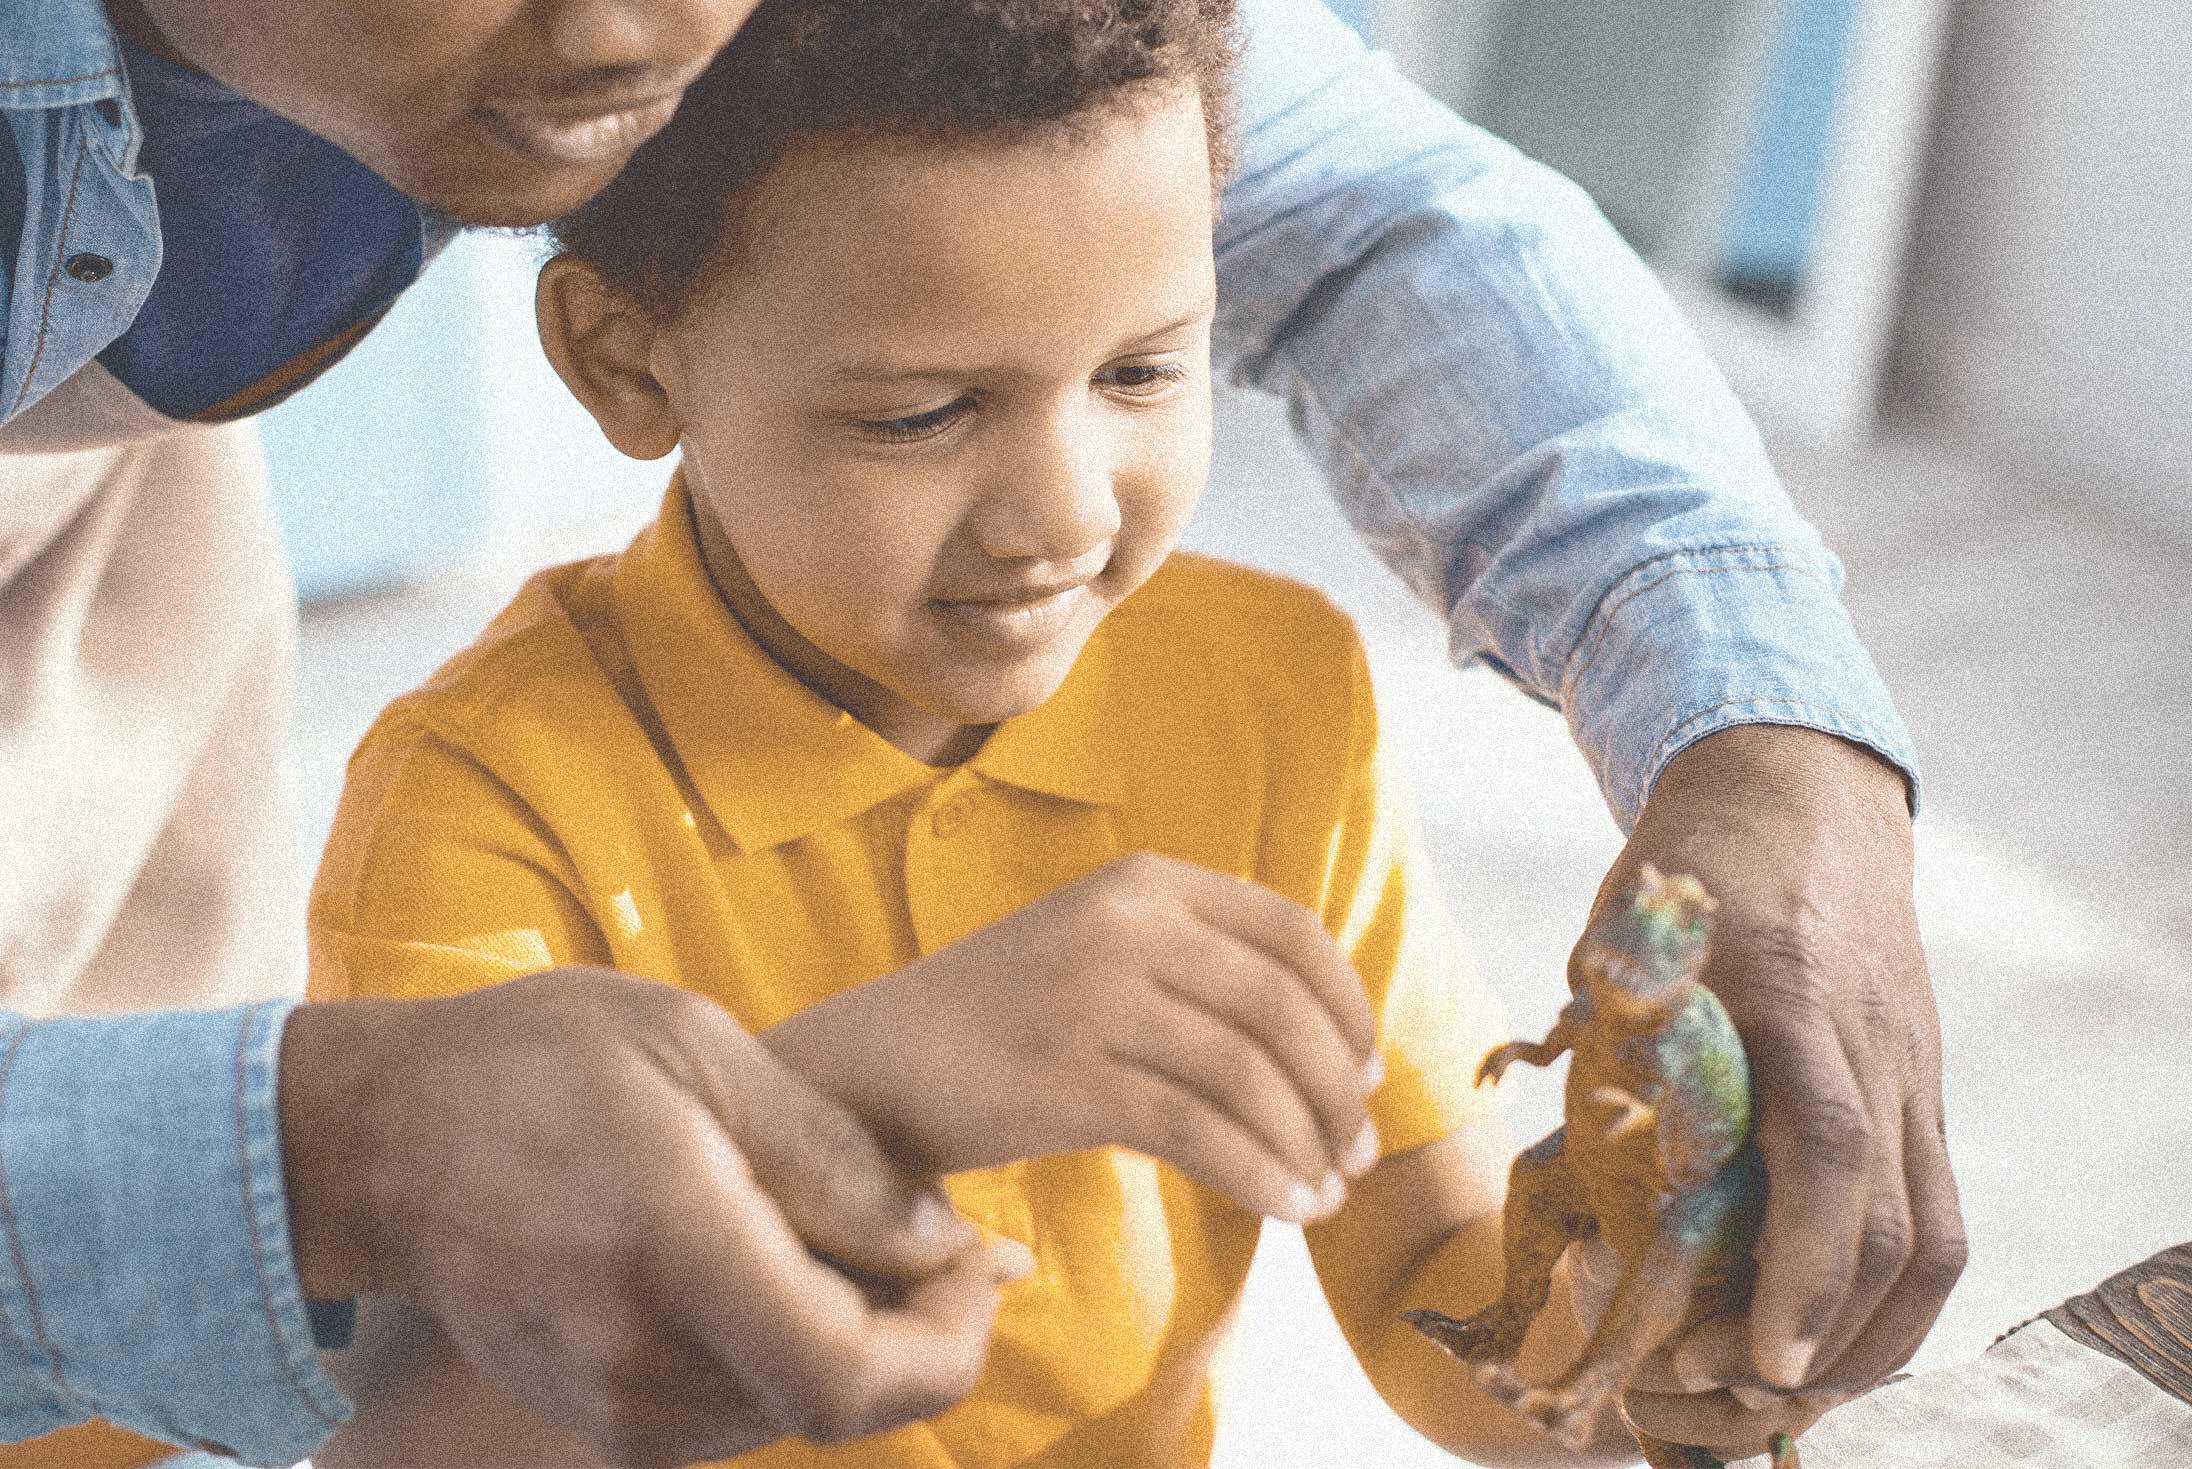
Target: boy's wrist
point(848, 1047)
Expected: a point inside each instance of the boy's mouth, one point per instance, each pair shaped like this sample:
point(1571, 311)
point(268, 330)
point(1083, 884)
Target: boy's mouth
point(1020, 616)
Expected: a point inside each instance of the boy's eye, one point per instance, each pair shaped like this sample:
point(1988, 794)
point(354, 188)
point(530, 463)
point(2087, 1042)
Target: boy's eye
point(1144, 377)
point(916, 426)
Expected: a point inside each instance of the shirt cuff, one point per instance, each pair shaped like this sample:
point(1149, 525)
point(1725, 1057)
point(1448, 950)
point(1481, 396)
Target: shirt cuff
point(147, 1276)
point(1693, 642)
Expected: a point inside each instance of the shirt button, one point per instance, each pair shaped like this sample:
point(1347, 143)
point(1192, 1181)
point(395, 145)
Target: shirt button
point(952, 815)
point(89, 268)
point(109, 110)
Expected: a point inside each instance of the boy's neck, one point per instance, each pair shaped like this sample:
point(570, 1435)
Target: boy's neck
point(932, 740)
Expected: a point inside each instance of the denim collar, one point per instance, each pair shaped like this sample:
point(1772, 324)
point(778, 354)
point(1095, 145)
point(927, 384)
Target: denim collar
point(57, 53)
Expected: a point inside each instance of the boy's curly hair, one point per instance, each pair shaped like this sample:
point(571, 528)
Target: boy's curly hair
point(919, 70)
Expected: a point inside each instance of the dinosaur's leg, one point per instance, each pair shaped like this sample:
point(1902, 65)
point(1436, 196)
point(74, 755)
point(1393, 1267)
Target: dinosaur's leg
point(1545, 1210)
point(1647, 1306)
point(1653, 1299)
point(1651, 1303)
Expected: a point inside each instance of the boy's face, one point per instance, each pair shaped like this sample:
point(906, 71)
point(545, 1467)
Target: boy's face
point(949, 406)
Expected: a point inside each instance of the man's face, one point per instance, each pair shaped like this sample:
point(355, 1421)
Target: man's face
point(949, 405)
point(495, 111)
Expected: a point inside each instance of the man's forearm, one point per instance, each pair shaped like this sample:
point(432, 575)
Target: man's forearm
point(147, 1219)
point(1514, 415)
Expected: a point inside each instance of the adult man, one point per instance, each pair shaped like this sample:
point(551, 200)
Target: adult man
point(1530, 440)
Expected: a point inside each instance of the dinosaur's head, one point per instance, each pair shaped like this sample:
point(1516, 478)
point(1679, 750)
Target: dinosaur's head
point(1637, 968)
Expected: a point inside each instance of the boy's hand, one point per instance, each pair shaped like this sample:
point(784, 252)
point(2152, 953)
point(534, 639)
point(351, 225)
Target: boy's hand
point(613, 1199)
point(1154, 1004)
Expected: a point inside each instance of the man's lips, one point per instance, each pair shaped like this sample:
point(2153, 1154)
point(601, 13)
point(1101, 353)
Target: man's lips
point(561, 137)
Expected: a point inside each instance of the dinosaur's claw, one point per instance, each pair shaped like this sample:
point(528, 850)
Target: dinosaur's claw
point(1489, 1333)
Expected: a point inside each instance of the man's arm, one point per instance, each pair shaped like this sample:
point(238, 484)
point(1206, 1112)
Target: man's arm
point(175, 1184)
point(1513, 414)
point(148, 1276)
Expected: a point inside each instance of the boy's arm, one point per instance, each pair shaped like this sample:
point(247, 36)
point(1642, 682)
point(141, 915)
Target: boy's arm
point(436, 879)
point(1544, 453)
point(1153, 1005)
point(1423, 1229)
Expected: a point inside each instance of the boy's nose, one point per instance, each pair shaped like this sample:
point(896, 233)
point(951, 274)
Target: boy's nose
point(1057, 506)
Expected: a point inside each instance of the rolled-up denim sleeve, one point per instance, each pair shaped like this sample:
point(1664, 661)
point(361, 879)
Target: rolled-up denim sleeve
point(145, 1272)
point(1513, 414)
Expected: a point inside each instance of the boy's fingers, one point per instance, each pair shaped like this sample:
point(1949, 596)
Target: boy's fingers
point(1210, 1147)
point(1199, 1054)
point(1244, 989)
point(1291, 935)
point(829, 1177)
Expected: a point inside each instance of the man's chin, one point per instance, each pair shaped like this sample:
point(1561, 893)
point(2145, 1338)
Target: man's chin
point(509, 196)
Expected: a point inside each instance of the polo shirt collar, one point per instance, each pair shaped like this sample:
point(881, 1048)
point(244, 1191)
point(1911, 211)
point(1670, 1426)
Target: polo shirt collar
point(773, 760)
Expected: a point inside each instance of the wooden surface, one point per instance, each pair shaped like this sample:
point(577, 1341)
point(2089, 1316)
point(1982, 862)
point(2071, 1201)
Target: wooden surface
point(2141, 1316)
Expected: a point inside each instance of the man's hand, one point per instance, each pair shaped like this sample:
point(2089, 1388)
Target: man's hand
point(1153, 1004)
point(612, 1199)
point(1805, 841)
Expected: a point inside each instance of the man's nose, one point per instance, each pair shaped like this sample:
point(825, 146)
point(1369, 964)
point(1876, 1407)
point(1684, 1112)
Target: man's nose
point(638, 38)
point(1056, 500)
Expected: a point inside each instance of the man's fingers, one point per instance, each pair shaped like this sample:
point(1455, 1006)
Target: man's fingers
point(1895, 1330)
point(1293, 937)
point(799, 1335)
point(1711, 1354)
point(1884, 1246)
point(1816, 1137)
point(1718, 1421)
point(924, 1354)
point(831, 1179)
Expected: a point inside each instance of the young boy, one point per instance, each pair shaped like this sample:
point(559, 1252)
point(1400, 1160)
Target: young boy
point(1090, 900)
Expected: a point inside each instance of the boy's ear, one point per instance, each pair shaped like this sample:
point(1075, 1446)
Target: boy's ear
point(600, 343)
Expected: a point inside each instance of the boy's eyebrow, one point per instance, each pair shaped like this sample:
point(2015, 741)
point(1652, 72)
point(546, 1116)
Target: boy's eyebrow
point(1202, 308)
point(883, 370)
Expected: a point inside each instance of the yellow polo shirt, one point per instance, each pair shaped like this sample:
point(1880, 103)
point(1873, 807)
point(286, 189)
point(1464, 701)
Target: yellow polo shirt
point(615, 773)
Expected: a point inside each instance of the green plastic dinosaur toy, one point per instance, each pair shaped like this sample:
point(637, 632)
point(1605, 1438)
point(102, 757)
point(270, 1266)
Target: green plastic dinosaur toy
point(1653, 1156)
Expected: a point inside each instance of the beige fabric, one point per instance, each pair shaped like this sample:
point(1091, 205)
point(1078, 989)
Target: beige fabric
point(147, 644)
point(2038, 1400)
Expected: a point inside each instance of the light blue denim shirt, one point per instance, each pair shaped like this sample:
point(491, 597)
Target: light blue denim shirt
point(1498, 391)
point(147, 1276)
point(1512, 413)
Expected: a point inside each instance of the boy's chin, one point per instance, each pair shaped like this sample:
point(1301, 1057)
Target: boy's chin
point(1005, 698)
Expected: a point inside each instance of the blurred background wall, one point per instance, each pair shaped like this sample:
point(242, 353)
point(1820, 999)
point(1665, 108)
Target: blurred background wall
point(2049, 305)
